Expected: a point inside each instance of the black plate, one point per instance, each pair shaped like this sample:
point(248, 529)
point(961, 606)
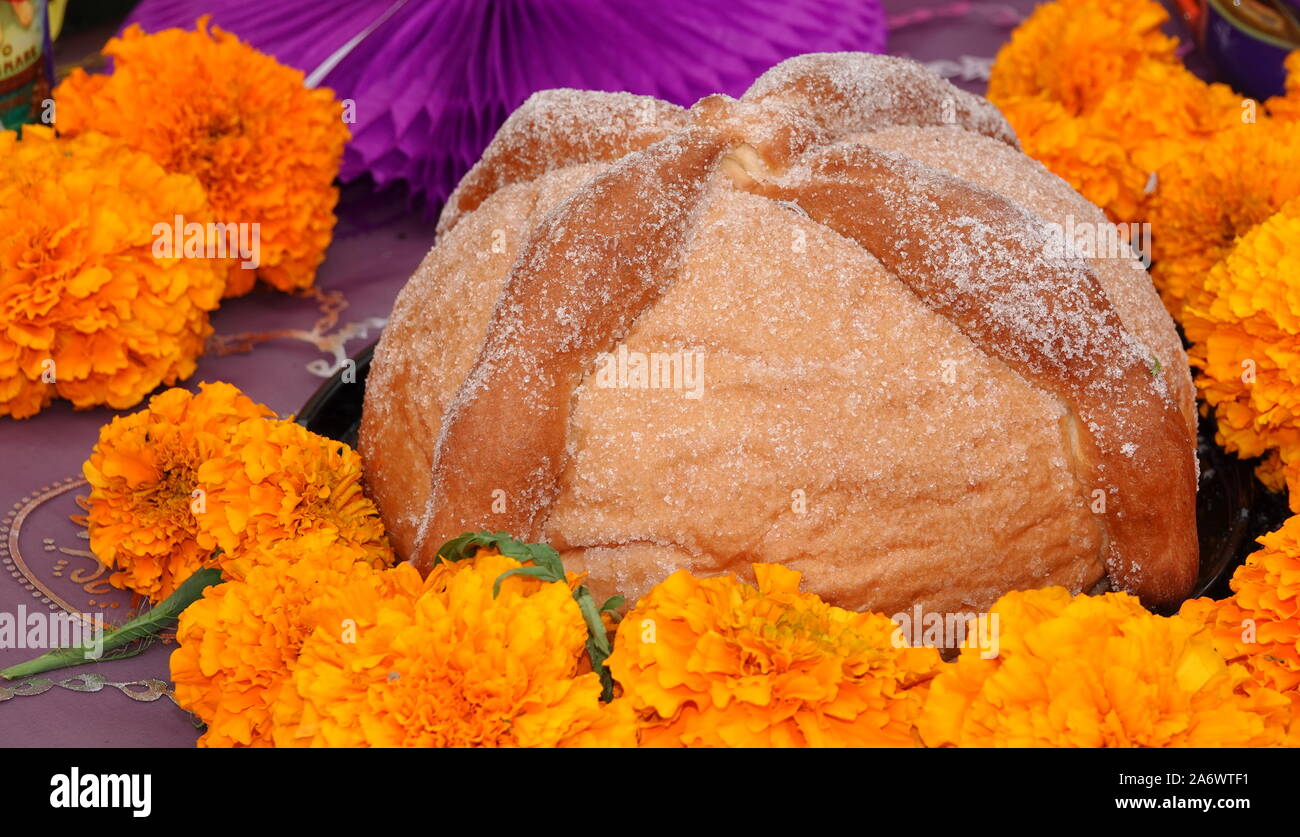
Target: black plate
point(1232, 508)
point(334, 410)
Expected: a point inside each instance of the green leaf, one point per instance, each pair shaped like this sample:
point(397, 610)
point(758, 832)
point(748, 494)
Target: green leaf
point(598, 647)
point(466, 545)
point(542, 573)
point(591, 616)
point(145, 625)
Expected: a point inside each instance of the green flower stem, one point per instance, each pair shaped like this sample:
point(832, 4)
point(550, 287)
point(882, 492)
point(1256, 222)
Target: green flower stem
point(147, 624)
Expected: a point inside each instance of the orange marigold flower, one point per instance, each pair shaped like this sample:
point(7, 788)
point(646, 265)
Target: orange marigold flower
point(238, 644)
point(716, 662)
point(1259, 624)
point(1287, 106)
point(143, 477)
point(1244, 325)
point(1096, 671)
point(1110, 142)
point(1158, 128)
point(452, 664)
point(86, 312)
point(266, 148)
point(1212, 193)
point(1098, 165)
point(1073, 51)
point(276, 480)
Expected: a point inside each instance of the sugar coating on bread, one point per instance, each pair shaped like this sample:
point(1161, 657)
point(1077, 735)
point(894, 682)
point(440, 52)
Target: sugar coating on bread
point(996, 166)
point(906, 397)
point(557, 128)
point(854, 410)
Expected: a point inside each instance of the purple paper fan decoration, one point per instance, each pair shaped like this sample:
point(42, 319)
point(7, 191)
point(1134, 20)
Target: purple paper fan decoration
point(434, 79)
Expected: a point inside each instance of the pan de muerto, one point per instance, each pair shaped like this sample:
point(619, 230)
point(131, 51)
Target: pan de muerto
point(829, 325)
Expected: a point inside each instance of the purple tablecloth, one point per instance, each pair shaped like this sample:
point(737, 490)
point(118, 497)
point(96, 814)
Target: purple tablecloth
point(43, 557)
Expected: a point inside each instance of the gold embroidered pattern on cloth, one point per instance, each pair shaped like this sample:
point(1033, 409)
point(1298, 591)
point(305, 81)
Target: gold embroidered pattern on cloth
point(88, 572)
point(326, 334)
point(73, 580)
point(145, 691)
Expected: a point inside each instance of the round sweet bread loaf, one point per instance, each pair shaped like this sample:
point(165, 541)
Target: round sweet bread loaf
point(831, 324)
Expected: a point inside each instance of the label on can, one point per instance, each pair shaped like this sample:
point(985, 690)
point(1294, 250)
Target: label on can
point(24, 65)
